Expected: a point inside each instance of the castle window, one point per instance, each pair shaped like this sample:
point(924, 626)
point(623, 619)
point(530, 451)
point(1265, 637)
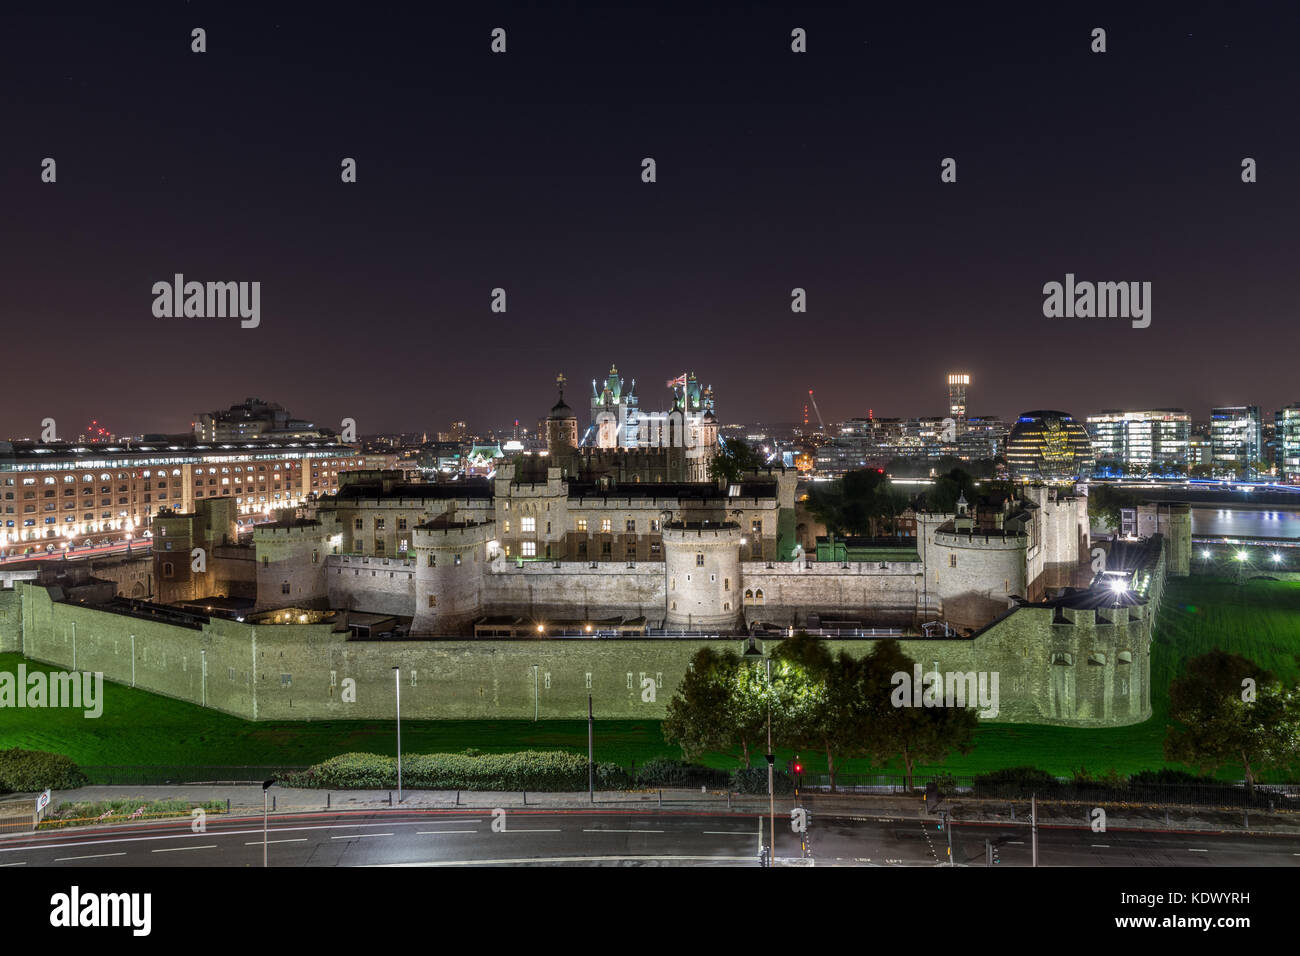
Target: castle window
point(358, 524)
point(433, 560)
point(654, 547)
point(506, 525)
point(284, 587)
point(266, 562)
point(605, 525)
point(757, 528)
point(582, 524)
point(528, 525)
point(456, 560)
point(631, 526)
point(401, 524)
point(699, 560)
point(167, 569)
point(749, 595)
point(433, 600)
point(952, 560)
point(726, 605)
point(726, 584)
point(674, 605)
point(315, 557)
point(758, 596)
point(529, 548)
point(654, 525)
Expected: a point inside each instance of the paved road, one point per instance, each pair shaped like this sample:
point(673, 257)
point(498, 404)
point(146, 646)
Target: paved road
point(643, 837)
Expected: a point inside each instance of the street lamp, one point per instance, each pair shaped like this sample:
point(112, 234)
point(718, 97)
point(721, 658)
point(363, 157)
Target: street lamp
point(752, 653)
point(397, 677)
point(266, 810)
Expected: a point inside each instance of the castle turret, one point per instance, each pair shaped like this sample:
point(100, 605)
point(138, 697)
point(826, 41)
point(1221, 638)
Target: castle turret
point(561, 425)
point(703, 570)
point(291, 563)
point(450, 559)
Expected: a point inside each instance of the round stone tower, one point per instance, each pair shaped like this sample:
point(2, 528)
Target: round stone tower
point(702, 561)
point(450, 560)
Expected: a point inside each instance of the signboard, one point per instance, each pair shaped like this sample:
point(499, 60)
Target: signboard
point(42, 801)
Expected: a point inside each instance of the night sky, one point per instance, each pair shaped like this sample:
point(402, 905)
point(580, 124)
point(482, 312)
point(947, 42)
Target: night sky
point(523, 171)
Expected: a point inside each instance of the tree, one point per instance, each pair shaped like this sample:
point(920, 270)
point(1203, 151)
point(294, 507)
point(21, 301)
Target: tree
point(702, 714)
point(943, 494)
point(734, 460)
point(1232, 711)
point(863, 502)
point(1105, 502)
point(915, 733)
point(828, 709)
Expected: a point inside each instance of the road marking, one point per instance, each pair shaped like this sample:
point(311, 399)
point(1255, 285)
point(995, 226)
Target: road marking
point(746, 834)
point(173, 849)
point(173, 836)
point(259, 842)
point(436, 832)
point(532, 830)
point(1104, 846)
point(62, 859)
point(24, 863)
point(1017, 842)
point(359, 836)
point(576, 859)
point(1192, 849)
point(611, 830)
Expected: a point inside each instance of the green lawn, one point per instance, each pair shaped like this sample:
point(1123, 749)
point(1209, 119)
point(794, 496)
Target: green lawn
point(1259, 619)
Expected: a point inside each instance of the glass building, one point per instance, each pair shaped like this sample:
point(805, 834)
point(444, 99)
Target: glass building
point(1152, 442)
point(1237, 440)
point(1049, 446)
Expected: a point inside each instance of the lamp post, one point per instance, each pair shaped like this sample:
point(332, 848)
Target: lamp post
point(753, 654)
point(397, 678)
point(266, 811)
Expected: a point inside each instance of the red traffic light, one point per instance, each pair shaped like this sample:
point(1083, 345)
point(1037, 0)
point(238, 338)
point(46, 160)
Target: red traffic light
point(798, 768)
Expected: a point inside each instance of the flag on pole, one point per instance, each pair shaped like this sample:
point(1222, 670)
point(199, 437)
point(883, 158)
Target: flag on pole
point(679, 380)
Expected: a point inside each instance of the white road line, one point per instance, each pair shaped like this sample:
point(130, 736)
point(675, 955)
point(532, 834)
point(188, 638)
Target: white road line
point(24, 863)
point(1017, 842)
point(359, 836)
point(211, 834)
point(436, 832)
point(259, 842)
point(1104, 846)
point(96, 856)
point(576, 859)
point(731, 833)
point(173, 849)
point(532, 830)
point(1192, 849)
point(611, 830)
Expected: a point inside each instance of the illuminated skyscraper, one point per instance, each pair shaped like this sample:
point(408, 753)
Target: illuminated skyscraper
point(957, 385)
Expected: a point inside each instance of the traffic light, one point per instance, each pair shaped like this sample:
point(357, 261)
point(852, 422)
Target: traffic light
point(798, 766)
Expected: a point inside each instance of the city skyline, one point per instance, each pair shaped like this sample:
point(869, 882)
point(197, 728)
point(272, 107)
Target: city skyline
point(522, 171)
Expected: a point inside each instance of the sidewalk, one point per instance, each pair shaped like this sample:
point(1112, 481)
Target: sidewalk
point(244, 800)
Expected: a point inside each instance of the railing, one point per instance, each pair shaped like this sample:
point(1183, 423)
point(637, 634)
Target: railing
point(173, 774)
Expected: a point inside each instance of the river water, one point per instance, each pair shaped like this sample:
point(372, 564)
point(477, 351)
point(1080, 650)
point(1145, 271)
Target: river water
point(1238, 521)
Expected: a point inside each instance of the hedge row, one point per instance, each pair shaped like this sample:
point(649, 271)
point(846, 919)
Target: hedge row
point(32, 770)
point(540, 771)
point(528, 770)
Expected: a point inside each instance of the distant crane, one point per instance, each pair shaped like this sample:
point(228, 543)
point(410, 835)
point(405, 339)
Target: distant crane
point(813, 399)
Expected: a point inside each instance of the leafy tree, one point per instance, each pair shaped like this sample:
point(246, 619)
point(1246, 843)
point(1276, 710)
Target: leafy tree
point(1205, 470)
point(733, 461)
point(1105, 502)
point(916, 733)
point(833, 715)
point(943, 494)
point(702, 715)
point(1222, 723)
point(863, 502)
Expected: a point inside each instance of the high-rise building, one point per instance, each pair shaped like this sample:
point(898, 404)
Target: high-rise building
point(1140, 442)
point(1288, 439)
point(1237, 440)
point(958, 382)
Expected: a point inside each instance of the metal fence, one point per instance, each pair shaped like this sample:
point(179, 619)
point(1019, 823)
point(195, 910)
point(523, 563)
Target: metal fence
point(142, 775)
point(1266, 796)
